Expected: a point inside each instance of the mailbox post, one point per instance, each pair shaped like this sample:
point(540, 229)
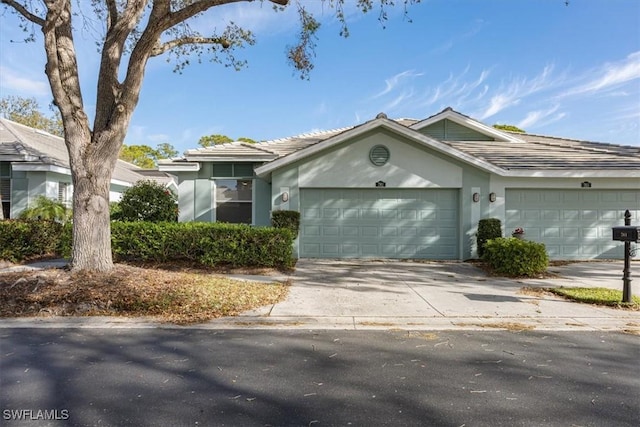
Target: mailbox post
point(626, 234)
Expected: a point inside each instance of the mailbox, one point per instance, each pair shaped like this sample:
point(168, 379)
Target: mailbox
point(626, 233)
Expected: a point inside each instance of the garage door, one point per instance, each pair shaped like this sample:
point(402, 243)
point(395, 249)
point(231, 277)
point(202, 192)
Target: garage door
point(379, 223)
point(572, 224)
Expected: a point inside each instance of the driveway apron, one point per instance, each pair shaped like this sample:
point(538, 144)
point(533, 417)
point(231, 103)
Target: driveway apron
point(404, 293)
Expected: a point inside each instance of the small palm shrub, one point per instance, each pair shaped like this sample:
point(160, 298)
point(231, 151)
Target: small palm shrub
point(46, 209)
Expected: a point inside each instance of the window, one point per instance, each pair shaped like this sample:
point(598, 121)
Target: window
point(64, 193)
point(5, 196)
point(5, 189)
point(234, 200)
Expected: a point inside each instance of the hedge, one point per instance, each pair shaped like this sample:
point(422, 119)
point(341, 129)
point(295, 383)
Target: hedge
point(209, 244)
point(286, 219)
point(27, 239)
point(516, 257)
point(488, 228)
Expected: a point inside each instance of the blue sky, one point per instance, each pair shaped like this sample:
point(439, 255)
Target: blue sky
point(551, 69)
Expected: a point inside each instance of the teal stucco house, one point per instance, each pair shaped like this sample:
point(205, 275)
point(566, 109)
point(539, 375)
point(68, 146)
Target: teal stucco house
point(35, 163)
point(417, 188)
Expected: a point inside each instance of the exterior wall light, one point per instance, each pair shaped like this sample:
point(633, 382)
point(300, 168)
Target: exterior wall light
point(476, 197)
point(585, 184)
point(492, 197)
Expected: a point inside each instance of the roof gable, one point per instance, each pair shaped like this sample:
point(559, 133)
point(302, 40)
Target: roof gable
point(381, 122)
point(449, 125)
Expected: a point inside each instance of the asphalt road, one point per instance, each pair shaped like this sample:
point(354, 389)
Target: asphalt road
point(184, 377)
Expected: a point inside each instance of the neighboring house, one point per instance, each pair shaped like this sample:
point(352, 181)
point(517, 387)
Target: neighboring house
point(35, 163)
point(417, 189)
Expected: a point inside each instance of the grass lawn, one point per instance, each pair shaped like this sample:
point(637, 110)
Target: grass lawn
point(600, 296)
point(184, 296)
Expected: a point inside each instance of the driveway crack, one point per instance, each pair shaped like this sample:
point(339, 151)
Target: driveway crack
point(423, 299)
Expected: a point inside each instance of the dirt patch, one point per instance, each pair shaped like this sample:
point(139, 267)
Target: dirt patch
point(510, 326)
point(185, 296)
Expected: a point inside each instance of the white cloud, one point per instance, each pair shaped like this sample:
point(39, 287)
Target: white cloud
point(22, 84)
point(397, 80)
point(541, 117)
point(609, 76)
point(510, 94)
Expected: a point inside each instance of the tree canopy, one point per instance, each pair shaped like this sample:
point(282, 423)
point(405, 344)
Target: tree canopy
point(509, 128)
point(210, 140)
point(26, 111)
point(134, 32)
point(146, 157)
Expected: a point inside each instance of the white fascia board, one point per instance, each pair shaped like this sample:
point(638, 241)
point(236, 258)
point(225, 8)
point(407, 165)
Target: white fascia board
point(467, 122)
point(122, 183)
point(40, 167)
point(236, 159)
point(264, 170)
point(179, 167)
point(611, 173)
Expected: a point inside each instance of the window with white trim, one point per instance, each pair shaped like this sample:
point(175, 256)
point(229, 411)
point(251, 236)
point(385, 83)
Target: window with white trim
point(234, 200)
point(64, 193)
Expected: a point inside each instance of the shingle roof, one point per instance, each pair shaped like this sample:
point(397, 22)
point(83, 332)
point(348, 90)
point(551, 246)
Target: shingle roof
point(529, 152)
point(269, 150)
point(549, 153)
point(233, 149)
point(23, 143)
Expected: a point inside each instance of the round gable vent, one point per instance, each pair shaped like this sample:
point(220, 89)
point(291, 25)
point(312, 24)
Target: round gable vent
point(379, 155)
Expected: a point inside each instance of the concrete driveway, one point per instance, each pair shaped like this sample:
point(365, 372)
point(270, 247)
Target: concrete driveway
point(439, 295)
point(357, 294)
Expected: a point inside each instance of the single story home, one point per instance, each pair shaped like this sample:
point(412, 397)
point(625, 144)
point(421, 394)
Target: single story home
point(35, 163)
point(417, 188)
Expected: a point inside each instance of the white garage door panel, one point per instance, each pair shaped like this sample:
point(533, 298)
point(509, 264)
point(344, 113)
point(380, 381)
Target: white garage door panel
point(385, 223)
point(573, 224)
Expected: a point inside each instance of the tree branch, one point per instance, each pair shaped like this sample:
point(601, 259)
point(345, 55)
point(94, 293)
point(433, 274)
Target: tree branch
point(160, 49)
point(113, 13)
point(22, 10)
point(196, 7)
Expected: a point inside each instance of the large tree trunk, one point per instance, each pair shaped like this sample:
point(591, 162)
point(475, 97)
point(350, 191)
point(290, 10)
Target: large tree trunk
point(91, 221)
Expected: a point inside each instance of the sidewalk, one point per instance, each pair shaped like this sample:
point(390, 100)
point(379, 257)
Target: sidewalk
point(379, 295)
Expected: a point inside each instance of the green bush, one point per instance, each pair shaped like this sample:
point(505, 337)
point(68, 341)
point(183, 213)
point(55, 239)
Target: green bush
point(46, 209)
point(147, 201)
point(209, 244)
point(286, 219)
point(115, 211)
point(515, 257)
point(26, 239)
point(488, 228)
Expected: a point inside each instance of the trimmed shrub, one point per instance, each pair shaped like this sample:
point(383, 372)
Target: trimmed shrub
point(286, 219)
point(488, 228)
point(209, 244)
point(26, 239)
point(515, 257)
point(147, 201)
